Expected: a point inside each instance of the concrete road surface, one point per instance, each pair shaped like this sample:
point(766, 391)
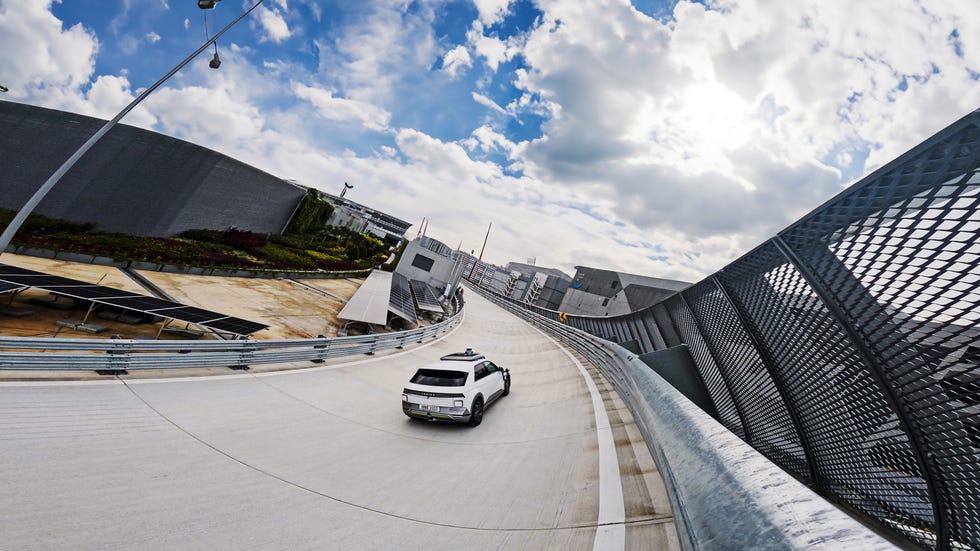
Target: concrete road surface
point(323, 458)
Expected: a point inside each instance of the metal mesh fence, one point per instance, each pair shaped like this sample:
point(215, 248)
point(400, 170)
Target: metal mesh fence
point(714, 379)
point(859, 451)
point(847, 349)
point(768, 424)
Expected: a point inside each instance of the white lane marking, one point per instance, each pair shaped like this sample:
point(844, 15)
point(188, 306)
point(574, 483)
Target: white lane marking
point(611, 532)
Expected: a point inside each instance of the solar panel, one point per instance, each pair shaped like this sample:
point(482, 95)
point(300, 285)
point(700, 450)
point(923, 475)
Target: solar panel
point(425, 296)
point(6, 269)
point(13, 278)
point(235, 325)
point(141, 303)
point(189, 314)
point(89, 292)
point(43, 280)
point(400, 303)
point(9, 287)
point(370, 303)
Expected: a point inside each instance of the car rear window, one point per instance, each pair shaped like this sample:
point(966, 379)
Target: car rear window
point(438, 377)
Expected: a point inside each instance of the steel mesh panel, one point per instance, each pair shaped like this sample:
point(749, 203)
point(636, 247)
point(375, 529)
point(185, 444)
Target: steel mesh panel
point(667, 330)
point(636, 322)
point(710, 374)
point(861, 454)
point(900, 258)
point(767, 420)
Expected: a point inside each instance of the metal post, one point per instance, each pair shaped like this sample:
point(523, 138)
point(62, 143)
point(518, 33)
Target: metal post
point(28, 208)
point(479, 260)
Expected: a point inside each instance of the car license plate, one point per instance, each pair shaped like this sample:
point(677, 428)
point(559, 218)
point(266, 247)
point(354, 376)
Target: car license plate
point(430, 408)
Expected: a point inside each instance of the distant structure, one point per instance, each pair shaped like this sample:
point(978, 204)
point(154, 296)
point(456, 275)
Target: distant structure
point(432, 262)
point(597, 292)
point(535, 285)
point(363, 219)
point(135, 181)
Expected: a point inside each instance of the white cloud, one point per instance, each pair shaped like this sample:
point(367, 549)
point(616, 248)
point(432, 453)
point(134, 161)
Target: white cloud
point(152, 37)
point(668, 147)
point(720, 126)
point(491, 11)
point(372, 56)
point(487, 139)
point(187, 24)
point(456, 60)
point(273, 25)
point(487, 102)
point(343, 109)
point(41, 58)
point(492, 49)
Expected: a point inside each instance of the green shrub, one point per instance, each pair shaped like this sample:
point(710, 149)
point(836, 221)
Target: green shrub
point(244, 239)
point(206, 236)
point(311, 215)
point(285, 258)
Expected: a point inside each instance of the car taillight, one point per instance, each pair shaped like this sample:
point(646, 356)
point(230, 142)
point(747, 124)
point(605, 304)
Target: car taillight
point(457, 403)
point(404, 397)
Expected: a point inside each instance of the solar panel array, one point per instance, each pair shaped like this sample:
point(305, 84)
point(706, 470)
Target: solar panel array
point(13, 278)
point(425, 296)
point(400, 303)
point(6, 287)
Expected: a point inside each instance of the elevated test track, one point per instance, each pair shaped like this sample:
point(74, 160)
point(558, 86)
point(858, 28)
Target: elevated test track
point(323, 458)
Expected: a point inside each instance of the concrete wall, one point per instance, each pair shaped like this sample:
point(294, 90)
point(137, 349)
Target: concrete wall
point(134, 181)
point(437, 276)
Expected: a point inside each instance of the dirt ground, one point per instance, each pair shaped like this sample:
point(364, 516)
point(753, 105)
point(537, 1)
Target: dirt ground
point(291, 309)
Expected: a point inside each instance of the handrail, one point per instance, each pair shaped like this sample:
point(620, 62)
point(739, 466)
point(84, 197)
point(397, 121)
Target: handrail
point(117, 355)
point(723, 493)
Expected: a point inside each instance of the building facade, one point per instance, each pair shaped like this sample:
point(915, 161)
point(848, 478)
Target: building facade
point(597, 292)
point(364, 219)
point(535, 285)
point(135, 181)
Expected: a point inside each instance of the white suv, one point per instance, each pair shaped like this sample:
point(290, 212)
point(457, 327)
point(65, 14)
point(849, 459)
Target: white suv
point(457, 388)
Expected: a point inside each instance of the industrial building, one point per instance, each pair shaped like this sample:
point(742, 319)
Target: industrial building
point(139, 182)
point(597, 292)
point(135, 181)
point(535, 285)
point(363, 219)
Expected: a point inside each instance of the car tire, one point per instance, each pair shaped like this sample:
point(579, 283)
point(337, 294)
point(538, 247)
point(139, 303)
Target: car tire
point(476, 417)
point(506, 386)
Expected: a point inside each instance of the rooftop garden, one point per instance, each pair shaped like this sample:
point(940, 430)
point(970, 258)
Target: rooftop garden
point(306, 246)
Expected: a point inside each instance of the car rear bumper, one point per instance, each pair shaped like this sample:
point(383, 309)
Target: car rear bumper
point(413, 411)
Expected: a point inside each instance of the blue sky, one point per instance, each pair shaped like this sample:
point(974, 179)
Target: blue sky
point(660, 138)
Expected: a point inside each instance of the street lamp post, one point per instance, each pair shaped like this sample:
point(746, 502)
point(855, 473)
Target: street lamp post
point(28, 207)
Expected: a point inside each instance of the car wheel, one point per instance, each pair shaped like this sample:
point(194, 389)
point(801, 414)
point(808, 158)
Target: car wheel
point(506, 386)
point(477, 416)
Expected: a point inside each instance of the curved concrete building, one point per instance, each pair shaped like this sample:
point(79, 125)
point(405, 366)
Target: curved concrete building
point(134, 181)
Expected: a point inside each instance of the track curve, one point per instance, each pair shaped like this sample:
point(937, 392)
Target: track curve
point(322, 458)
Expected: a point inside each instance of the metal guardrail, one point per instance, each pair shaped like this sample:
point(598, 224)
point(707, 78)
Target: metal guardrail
point(724, 495)
point(846, 349)
point(117, 355)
